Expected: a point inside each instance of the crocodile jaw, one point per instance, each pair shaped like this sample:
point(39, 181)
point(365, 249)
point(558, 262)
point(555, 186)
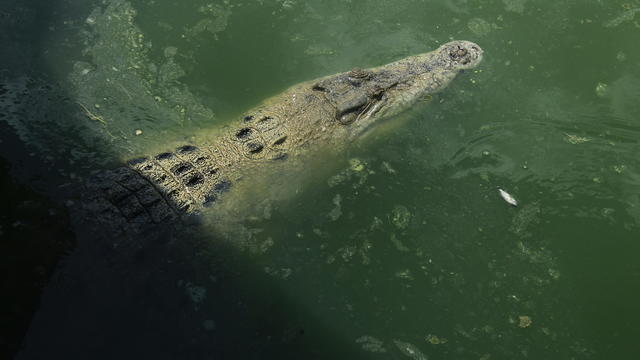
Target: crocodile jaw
point(415, 77)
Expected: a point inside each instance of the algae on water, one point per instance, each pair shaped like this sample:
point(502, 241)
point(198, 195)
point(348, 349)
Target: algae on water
point(400, 216)
point(479, 26)
point(516, 6)
point(626, 16)
point(122, 87)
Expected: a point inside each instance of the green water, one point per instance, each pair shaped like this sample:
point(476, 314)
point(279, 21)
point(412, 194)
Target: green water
point(401, 247)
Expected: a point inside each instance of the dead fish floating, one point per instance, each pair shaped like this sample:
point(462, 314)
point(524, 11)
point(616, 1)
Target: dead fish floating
point(508, 198)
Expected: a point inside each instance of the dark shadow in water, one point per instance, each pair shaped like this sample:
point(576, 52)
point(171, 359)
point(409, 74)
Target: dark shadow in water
point(34, 234)
point(167, 292)
point(34, 230)
point(173, 293)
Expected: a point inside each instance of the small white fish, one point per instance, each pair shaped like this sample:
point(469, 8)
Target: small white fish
point(508, 198)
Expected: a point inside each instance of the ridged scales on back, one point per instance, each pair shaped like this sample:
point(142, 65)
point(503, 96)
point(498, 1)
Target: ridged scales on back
point(329, 112)
point(163, 187)
point(154, 189)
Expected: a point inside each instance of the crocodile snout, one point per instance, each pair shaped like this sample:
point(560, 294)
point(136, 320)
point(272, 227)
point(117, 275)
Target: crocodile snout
point(462, 54)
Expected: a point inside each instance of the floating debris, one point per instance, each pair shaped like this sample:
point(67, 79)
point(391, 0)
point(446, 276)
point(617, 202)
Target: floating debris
point(371, 344)
point(404, 274)
point(357, 168)
point(266, 245)
point(170, 51)
point(508, 198)
point(555, 274)
point(318, 50)
point(524, 321)
point(400, 216)
point(282, 273)
point(336, 212)
point(386, 167)
point(627, 15)
point(410, 350)
point(398, 244)
point(575, 139)
point(602, 90)
point(356, 164)
point(138, 132)
point(435, 340)
point(619, 168)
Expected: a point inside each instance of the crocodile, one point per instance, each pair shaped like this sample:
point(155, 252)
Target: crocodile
point(332, 111)
point(122, 290)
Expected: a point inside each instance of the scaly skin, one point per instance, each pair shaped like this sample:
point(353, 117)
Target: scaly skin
point(331, 111)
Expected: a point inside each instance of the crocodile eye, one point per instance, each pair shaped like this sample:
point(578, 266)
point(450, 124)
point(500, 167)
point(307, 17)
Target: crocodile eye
point(346, 108)
point(347, 118)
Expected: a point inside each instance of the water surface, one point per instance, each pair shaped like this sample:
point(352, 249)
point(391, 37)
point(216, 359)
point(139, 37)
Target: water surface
point(401, 247)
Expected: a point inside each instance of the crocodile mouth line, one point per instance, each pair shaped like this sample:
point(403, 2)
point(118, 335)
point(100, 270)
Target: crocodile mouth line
point(370, 109)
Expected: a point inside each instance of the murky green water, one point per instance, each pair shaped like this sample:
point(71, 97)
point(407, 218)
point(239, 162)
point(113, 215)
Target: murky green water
point(402, 247)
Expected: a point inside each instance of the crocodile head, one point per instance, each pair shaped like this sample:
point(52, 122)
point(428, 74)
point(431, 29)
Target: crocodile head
point(363, 97)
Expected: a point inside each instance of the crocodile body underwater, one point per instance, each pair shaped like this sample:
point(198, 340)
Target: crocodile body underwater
point(332, 111)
